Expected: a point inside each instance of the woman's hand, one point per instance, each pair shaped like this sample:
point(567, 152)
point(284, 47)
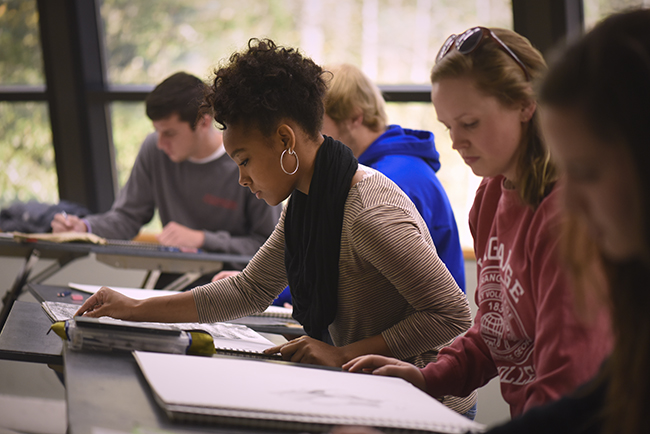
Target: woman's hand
point(308, 350)
point(107, 302)
point(380, 365)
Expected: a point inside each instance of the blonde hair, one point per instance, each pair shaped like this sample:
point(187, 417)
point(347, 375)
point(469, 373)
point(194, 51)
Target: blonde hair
point(350, 90)
point(496, 74)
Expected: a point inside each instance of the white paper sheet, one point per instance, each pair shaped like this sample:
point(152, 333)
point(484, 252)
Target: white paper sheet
point(293, 392)
point(136, 293)
point(60, 311)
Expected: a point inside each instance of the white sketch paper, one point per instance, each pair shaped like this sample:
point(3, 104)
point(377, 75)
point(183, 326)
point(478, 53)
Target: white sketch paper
point(260, 390)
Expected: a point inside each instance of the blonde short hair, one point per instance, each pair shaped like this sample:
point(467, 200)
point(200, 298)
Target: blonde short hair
point(349, 91)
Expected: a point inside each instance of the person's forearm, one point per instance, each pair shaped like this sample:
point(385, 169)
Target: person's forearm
point(169, 308)
point(372, 345)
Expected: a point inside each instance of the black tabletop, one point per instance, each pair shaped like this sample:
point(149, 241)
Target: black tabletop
point(108, 390)
point(25, 337)
point(48, 249)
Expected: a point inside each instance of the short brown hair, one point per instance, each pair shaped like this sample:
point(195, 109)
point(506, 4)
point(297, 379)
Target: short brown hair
point(180, 93)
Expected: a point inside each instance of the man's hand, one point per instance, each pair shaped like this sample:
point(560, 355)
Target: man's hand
point(380, 365)
point(67, 223)
point(307, 350)
point(177, 235)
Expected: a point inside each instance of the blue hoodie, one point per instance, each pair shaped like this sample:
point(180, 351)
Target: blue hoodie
point(410, 159)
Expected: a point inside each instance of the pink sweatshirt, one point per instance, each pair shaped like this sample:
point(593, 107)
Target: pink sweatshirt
point(525, 330)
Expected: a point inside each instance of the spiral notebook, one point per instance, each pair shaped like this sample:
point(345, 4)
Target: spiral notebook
point(262, 394)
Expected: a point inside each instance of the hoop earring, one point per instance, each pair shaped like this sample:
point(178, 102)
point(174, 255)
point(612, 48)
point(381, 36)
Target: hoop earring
point(297, 162)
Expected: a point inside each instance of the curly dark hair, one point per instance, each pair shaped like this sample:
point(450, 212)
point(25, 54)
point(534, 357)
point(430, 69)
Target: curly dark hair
point(265, 84)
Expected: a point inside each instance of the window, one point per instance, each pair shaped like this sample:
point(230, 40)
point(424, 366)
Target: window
point(596, 10)
point(393, 41)
point(27, 170)
point(20, 49)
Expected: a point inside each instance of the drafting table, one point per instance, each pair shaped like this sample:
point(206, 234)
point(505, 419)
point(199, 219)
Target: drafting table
point(24, 337)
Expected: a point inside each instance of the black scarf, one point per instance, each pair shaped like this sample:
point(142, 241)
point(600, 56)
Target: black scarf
point(312, 234)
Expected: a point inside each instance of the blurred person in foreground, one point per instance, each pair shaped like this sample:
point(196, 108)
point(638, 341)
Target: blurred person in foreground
point(527, 331)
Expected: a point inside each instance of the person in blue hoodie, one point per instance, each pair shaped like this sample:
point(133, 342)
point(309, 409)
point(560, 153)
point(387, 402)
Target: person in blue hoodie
point(355, 115)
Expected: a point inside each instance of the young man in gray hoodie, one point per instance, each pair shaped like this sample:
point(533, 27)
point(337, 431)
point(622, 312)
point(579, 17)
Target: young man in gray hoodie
point(182, 170)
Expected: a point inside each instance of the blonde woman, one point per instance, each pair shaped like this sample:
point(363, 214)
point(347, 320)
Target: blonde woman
point(526, 331)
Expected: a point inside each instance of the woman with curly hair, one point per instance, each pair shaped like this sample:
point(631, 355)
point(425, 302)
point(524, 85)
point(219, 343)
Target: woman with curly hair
point(359, 260)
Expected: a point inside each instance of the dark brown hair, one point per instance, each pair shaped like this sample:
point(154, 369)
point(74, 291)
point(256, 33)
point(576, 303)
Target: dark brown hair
point(179, 93)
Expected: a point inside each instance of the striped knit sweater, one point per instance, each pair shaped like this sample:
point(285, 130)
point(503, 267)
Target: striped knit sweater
point(391, 281)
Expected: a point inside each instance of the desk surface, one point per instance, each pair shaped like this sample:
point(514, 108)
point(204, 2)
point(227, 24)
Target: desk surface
point(125, 256)
point(50, 293)
point(108, 391)
point(25, 338)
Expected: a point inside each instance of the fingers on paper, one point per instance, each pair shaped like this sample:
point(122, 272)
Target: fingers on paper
point(93, 306)
point(367, 363)
point(287, 349)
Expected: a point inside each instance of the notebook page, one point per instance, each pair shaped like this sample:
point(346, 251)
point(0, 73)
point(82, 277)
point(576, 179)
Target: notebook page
point(135, 293)
point(318, 395)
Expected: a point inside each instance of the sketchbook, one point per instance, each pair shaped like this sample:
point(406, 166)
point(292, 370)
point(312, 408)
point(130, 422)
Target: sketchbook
point(232, 391)
point(228, 338)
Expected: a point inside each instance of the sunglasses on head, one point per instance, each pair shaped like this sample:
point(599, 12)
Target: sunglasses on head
point(468, 41)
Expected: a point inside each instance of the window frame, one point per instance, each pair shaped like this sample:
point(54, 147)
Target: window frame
point(78, 94)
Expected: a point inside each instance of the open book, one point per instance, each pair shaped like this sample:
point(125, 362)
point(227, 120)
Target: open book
point(86, 237)
point(61, 237)
point(228, 338)
point(256, 393)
